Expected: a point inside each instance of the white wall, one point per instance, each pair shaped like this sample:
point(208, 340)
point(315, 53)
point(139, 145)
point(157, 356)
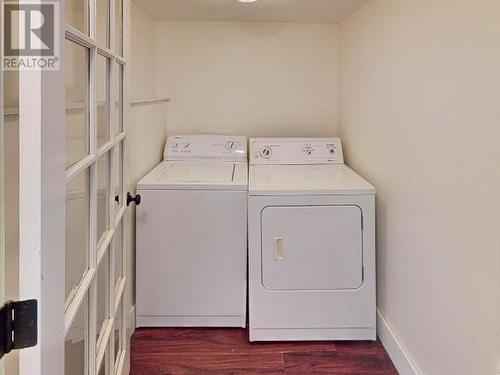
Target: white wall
point(143, 53)
point(256, 79)
point(420, 118)
point(146, 124)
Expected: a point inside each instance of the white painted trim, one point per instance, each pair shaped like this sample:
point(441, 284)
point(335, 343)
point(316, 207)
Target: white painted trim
point(126, 300)
point(102, 344)
point(139, 102)
point(395, 348)
point(73, 171)
point(2, 190)
point(119, 293)
point(92, 122)
point(30, 200)
point(41, 204)
point(120, 363)
point(78, 37)
point(69, 107)
point(80, 295)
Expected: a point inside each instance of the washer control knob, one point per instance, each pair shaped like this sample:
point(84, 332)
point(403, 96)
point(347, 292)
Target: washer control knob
point(266, 152)
point(308, 151)
point(231, 145)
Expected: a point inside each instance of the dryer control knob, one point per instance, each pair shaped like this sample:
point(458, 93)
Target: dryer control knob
point(266, 152)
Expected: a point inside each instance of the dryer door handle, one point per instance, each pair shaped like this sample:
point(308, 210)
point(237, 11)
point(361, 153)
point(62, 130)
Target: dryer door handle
point(278, 249)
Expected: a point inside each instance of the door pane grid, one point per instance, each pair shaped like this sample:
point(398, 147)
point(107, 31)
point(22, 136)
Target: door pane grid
point(76, 59)
point(103, 100)
point(77, 234)
point(103, 196)
point(76, 15)
point(76, 344)
point(117, 184)
point(104, 139)
point(103, 310)
point(102, 22)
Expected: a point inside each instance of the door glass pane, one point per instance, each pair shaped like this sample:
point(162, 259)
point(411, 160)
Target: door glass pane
point(118, 176)
point(76, 90)
point(102, 21)
point(118, 27)
point(118, 331)
point(102, 83)
point(118, 85)
point(102, 281)
point(118, 253)
point(75, 343)
point(103, 195)
point(76, 14)
point(77, 232)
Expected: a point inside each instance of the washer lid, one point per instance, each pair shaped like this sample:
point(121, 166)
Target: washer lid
point(331, 179)
point(196, 175)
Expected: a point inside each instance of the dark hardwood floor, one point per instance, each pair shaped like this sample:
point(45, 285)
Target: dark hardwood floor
point(162, 351)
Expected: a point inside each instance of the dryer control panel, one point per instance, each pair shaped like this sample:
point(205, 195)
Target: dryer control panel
point(206, 147)
point(296, 151)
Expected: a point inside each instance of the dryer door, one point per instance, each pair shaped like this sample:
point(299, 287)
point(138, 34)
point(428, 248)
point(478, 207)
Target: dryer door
point(312, 247)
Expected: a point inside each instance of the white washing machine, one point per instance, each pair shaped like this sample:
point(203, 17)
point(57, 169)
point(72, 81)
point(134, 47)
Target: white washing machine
point(311, 227)
point(192, 235)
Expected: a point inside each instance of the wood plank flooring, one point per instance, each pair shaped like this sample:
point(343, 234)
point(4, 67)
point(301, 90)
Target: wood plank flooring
point(221, 351)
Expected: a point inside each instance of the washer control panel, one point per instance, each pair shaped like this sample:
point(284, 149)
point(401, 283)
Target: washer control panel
point(296, 151)
point(200, 147)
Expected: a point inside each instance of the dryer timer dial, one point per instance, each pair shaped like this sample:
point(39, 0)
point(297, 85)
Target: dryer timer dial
point(266, 152)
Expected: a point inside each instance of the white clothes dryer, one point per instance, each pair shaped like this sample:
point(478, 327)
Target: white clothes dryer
point(311, 243)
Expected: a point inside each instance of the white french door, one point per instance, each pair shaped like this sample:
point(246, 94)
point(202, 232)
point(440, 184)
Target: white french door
point(95, 278)
point(72, 142)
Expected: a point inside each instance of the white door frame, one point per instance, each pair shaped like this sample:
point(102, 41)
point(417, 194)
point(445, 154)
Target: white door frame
point(2, 190)
point(42, 195)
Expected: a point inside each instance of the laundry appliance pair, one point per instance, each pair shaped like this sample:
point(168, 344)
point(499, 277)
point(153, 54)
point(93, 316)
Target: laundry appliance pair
point(311, 252)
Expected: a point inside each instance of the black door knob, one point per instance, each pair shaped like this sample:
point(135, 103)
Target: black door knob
point(136, 199)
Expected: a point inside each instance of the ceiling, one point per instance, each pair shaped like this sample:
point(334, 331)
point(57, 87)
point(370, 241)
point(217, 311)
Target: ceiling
point(299, 11)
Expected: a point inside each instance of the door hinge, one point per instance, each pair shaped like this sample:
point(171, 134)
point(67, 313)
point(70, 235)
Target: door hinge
point(18, 325)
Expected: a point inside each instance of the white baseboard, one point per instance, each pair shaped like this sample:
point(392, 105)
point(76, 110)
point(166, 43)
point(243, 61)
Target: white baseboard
point(395, 348)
